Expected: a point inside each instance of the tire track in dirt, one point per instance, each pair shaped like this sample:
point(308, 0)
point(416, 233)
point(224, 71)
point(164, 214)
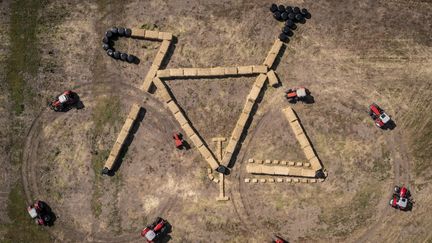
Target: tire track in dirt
point(402, 171)
point(240, 202)
point(68, 233)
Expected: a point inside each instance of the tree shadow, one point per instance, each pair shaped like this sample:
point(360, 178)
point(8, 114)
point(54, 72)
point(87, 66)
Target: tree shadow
point(130, 137)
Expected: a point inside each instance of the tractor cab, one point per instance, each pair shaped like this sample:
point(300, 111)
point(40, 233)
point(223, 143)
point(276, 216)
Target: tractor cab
point(63, 98)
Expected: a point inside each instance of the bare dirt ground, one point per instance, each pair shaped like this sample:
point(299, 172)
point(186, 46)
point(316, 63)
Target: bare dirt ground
point(349, 54)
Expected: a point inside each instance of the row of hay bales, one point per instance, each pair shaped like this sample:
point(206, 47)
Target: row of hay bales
point(259, 83)
point(302, 139)
point(157, 62)
point(280, 180)
point(121, 139)
point(279, 162)
point(281, 170)
point(185, 124)
point(211, 72)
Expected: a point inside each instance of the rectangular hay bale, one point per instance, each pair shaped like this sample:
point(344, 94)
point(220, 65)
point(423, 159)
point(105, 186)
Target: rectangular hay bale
point(196, 140)
point(205, 152)
point(190, 72)
point(133, 113)
point(180, 117)
point(173, 107)
point(109, 163)
point(203, 72)
point(151, 35)
point(289, 114)
point(212, 162)
point(271, 57)
point(254, 93)
point(309, 153)
point(260, 69)
point(244, 70)
point(232, 144)
point(247, 109)
point(128, 125)
point(260, 80)
point(273, 80)
point(176, 72)
point(137, 33)
point(163, 73)
point(187, 128)
point(231, 71)
point(217, 71)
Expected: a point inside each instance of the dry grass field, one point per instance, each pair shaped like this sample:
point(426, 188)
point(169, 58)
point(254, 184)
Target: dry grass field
point(349, 54)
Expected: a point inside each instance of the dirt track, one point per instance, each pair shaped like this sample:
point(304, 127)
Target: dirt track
point(349, 54)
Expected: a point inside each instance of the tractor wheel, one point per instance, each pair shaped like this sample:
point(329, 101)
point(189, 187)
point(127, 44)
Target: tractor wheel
point(131, 58)
point(281, 8)
point(291, 16)
point(108, 34)
point(289, 23)
point(284, 16)
point(114, 30)
point(116, 55)
point(299, 17)
point(288, 9)
point(273, 8)
point(121, 31)
point(306, 13)
point(128, 32)
point(277, 15)
point(287, 31)
point(294, 27)
point(105, 46)
point(105, 40)
point(123, 56)
point(283, 37)
point(110, 52)
point(296, 10)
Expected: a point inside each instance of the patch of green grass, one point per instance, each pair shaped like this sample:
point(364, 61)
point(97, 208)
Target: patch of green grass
point(24, 56)
point(97, 163)
point(149, 26)
point(106, 112)
point(22, 228)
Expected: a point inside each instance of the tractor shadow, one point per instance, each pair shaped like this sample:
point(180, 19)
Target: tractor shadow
point(186, 145)
point(128, 141)
point(166, 237)
point(390, 125)
point(48, 211)
point(79, 104)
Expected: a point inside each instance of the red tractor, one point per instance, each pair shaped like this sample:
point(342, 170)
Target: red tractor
point(40, 212)
point(379, 116)
point(64, 101)
point(155, 231)
point(178, 140)
point(401, 198)
point(278, 239)
point(298, 94)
